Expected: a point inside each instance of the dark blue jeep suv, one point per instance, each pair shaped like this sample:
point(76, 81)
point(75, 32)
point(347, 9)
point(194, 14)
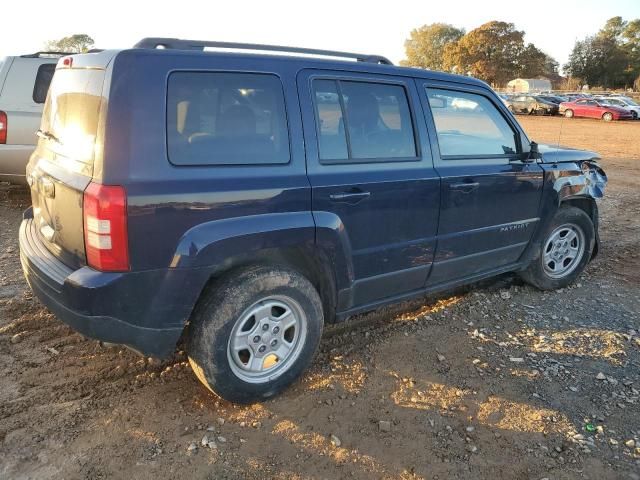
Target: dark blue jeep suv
point(245, 199)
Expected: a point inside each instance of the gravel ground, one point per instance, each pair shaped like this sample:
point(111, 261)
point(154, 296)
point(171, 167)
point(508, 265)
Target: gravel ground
point(496, 381)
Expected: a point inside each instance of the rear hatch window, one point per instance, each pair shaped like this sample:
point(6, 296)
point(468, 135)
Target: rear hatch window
point(62, 164)
point(71, 116)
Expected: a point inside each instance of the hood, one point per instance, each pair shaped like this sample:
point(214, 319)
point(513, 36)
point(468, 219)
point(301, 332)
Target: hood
point(557, 154)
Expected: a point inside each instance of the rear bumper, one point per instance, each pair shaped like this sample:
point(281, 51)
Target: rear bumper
point(145, 311)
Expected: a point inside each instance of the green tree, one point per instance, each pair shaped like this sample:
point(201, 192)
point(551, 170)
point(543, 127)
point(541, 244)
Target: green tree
point(532, 62)
point(599, 60)
point(425, 45)
point(77, 43)
point(611, 58)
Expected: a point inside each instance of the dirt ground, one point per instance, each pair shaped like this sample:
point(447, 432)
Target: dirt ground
point(499, 381)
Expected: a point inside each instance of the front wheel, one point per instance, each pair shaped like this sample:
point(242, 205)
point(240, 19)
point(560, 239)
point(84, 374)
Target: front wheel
point(568, 113)
point(255, 332)
point(564, 251)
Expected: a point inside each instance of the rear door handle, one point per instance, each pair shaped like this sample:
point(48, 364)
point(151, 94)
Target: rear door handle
point(351, 197)
point(466, 187)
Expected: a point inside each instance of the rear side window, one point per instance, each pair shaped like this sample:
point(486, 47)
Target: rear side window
point(43, 80)
point(363, 121)
point(469, 125)
point(226, 119)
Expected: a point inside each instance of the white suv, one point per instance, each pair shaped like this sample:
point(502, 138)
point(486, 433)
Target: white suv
point(24, 82)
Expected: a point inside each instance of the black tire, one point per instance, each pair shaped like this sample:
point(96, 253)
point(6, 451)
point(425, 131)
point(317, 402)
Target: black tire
point(536, 274)
point(223, 304)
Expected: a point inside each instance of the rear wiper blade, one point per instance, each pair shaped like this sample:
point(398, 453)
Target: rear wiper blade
point(48, 135)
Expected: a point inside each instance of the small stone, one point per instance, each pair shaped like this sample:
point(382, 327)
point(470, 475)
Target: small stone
point(472, 448)
point(192, 447)
point(516, 359)
point(441, 358)
point(573, 389)
point(613, 441)
point(17, 338)
point(384, 425)
point(211, 429)
point(212, 445)
point(221, 439)
point(505, 295)
point(470, 428)
point(601, 376)
point(220, 421)
point(630, 443)
point(205, 441)
point(335, 441)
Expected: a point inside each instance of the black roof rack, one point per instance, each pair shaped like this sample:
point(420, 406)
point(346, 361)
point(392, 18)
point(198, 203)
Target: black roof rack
point(45, 54)
point(179, 44)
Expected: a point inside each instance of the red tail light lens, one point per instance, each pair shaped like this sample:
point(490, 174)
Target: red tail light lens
point(105, 227)
point(3, 127)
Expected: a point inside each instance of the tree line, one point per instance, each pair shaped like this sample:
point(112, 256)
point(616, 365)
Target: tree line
point(496, 52)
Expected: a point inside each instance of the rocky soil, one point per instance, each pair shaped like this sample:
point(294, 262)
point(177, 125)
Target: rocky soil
point(496, 381)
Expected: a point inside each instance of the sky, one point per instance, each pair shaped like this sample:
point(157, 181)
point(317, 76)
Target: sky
point(363, 27)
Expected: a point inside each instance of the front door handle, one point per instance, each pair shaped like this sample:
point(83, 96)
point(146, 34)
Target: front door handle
point(466, 187)
point(351, 197)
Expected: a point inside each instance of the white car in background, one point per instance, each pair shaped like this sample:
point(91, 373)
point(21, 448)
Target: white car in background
point(624, 102)
point(24, 83)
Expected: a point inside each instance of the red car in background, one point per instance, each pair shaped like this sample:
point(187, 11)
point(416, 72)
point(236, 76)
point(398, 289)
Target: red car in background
point(592, 108)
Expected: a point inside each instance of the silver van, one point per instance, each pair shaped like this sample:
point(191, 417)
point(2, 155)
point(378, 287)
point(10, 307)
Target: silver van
point(24, 82)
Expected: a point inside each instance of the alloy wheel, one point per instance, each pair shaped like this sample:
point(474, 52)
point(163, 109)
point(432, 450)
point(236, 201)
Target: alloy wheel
point(267, 339)
point(563, 251)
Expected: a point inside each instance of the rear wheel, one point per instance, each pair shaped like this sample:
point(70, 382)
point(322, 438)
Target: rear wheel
point(607, 116)
point(255, 332)
point(634, 114)
point(564, 251)
point(568, 113)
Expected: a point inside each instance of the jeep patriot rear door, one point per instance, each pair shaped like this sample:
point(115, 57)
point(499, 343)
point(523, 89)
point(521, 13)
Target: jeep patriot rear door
point(375, 193)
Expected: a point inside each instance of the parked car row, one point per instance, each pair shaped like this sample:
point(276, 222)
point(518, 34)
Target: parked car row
point(605, 107)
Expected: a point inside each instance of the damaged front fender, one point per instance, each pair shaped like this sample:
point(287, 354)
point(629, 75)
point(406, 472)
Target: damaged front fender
point(581, 179)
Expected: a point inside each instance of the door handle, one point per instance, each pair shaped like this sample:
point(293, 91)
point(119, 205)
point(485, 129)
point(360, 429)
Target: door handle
point(464, 187)
point(351, 197)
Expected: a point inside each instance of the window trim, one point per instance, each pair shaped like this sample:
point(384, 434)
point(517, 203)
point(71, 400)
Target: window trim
point(226, 165)
point(35, 82)
point(508, 157)
point(356, 79)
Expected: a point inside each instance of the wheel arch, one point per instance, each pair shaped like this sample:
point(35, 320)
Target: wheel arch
point(311, 263)
point(589, 206)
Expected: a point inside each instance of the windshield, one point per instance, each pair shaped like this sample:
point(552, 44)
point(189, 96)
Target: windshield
point(72, 112)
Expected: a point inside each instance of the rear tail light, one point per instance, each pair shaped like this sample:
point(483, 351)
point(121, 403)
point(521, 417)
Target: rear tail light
point(105, 227)
point(3, 127)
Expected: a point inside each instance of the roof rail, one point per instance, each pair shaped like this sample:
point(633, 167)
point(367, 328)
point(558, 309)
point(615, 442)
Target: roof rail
point(46, 54)
point(179, 44)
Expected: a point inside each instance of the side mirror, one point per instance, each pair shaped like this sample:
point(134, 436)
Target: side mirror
point(534, 153)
